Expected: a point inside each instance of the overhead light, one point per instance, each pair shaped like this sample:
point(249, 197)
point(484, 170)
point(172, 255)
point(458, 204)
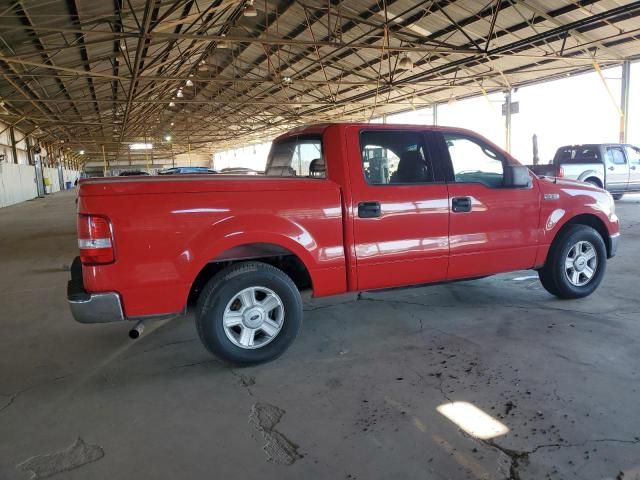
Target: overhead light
point(81, 152)
point(222, 43)
point(250, 10)
point(287, 80)
point(168, 138)
point(172, 104)
point(123, 45)
point(172, 124)
point(405, 63)
point(189, 83)
point(179, 94)
point(140, 146)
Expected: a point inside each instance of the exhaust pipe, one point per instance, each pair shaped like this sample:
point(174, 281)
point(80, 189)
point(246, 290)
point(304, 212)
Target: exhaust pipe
point(136, 331)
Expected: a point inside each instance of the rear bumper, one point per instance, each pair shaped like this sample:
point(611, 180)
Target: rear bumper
point(91, 307)
point(613, 244)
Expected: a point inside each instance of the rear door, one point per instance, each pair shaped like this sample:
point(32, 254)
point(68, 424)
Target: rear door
point(491, 228)
point(617, 168)
point(399, 208)
point(633, 157)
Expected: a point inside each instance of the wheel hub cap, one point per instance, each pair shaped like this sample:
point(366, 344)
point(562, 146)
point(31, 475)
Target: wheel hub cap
point(253, 317)
point(581, 263)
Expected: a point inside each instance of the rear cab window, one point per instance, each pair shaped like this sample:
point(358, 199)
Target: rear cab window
point(578, 154)
point(298, 156)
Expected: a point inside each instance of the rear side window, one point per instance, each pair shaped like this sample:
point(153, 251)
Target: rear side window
point(394, 158)
point(579, 154)
point(616, 156)
point(300, 156)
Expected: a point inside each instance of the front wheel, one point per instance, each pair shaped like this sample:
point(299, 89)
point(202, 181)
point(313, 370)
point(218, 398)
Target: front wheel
point(576, 263)
point(249, 313)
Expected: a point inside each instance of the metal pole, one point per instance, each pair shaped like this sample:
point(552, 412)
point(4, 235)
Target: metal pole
point(435, 114)
point(624, 101)
point(14, 150)
point(104, 159)
point(507, 121)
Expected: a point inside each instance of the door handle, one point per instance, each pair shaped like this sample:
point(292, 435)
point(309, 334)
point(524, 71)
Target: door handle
point(461, 204)
point(369, 210)
point(611, 168)
point(632, 167)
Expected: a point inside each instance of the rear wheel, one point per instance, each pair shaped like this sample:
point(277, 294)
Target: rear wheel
point(249, 313)
point(576, 263)
point(617, 196)
point(593, 181)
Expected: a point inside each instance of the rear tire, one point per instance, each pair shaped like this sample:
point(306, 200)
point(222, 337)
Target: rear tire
point(617, 196)
point(594, 182)
point(249, 313)
point(576, 263)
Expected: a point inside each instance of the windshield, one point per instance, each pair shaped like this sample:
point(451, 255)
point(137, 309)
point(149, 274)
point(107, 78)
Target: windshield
point(299, 156)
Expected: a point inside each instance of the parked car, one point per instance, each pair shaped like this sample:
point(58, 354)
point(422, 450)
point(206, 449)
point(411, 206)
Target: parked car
point(341, 208)
point(239, 171)
point(132, 173)
point(612, 166)
point(183, 170)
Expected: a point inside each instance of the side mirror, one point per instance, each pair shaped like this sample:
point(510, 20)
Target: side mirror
point(516, 176)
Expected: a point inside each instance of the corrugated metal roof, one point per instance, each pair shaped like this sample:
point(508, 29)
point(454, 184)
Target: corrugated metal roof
point(110, 73)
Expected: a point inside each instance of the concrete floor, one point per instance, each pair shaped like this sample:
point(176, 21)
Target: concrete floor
point(356, 397)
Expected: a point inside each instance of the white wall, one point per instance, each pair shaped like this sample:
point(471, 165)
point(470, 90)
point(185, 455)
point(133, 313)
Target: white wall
point(17, 183)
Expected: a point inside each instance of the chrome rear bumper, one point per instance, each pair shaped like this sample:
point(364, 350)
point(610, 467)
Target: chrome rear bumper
point(91, 307)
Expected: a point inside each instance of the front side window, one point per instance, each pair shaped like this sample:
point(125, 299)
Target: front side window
point(299, 156)
point(633, 154)
point(474, 162)
point(616, 156)
point(393, 157)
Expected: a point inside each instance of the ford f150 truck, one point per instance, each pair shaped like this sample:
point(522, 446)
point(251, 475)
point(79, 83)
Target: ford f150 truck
point(612, 166)
point(340, 208)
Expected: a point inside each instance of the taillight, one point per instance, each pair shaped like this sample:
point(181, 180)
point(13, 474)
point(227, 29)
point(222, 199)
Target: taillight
point(560, 172)
point(95, 240)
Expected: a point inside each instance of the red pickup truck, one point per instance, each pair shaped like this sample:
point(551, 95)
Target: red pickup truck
point(340, 208)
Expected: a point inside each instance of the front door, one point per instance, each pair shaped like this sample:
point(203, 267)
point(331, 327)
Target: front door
point(492, 229)
point(617, 173)
point(400, 209)
point(633, 157)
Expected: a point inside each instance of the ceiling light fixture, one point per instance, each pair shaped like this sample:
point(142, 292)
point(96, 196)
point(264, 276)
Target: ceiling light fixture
point(81, 152)
point(189, 83)
point(123, 45)
point(222, 43)
point(172, 104)
point(179, 94)
point(168, 138)
point(287, 80)
point(250, 10)
point(405, 63)
point(140, 146)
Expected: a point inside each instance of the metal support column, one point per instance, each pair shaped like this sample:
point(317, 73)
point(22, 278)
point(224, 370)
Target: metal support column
point(624, 101)
point(435, 114)
point(14, 150)
point(507, 121)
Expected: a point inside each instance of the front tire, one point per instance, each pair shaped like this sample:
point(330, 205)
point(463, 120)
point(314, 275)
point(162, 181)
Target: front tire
point(249, 313)
point(576, 263)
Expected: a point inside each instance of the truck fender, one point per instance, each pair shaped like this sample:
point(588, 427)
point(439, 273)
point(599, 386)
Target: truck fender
point(591, 174)
point(232, 232)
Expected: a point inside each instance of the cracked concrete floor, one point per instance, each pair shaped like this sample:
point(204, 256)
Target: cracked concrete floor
point(356, 397)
